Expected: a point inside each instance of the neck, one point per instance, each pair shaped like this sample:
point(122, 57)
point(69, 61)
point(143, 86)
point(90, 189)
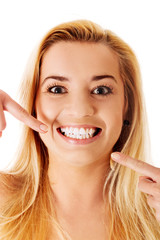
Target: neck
point(80, 187)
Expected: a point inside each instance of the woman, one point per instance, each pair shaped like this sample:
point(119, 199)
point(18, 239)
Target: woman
point(83, 97)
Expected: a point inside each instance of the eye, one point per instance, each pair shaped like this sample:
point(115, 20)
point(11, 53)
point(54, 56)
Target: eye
point(102, 90)
point(56, 89)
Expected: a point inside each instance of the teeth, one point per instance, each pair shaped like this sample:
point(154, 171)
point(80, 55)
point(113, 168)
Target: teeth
point(78, 133)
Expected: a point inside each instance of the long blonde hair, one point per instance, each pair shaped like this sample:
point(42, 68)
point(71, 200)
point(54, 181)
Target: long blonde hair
point(29, 212)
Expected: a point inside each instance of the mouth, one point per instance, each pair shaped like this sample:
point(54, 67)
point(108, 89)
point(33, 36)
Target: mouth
point(79, 132)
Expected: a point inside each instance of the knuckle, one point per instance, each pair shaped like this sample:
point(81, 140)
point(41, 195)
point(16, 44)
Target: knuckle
point(4, 97)
point(2, 94)
point(2, 125)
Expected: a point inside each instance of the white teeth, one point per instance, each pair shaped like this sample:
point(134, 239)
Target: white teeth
point(77, 133)
point(82, 131)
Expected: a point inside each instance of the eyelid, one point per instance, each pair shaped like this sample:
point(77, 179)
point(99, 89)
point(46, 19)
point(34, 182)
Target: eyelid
point(52, 85)
point(110, 89)
point(103, 85)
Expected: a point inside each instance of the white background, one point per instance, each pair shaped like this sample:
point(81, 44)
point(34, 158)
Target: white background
point(23, 24)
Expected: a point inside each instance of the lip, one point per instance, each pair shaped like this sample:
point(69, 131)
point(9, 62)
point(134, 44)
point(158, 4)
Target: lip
point(79, 126)
point(79, 141)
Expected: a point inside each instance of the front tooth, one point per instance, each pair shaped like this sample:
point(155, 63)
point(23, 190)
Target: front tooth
point(82, 131)
point(75, 131)
point(73, 136)
point(71, 129)
point(78, 133)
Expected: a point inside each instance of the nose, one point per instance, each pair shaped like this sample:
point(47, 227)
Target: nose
point(80, 106)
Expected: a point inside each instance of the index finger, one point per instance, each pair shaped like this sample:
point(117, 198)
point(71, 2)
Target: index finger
point(21, 114)
point(137, 165)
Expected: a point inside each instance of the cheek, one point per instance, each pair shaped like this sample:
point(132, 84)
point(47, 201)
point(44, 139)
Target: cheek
point(113, 117)
point(46, 110)
point(114, 123)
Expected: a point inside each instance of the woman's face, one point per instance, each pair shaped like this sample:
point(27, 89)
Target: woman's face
point(81, 99)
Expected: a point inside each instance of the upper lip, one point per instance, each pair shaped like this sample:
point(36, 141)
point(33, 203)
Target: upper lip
point(78, 126)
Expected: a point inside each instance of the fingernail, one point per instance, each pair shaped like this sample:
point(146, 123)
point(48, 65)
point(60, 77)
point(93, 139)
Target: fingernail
point(43, 127)
point(0, 134)
point(115, 156)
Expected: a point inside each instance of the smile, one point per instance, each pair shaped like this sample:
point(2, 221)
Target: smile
point(79, 134)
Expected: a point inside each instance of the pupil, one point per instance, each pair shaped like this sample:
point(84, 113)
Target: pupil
point(100, 90)
point(57, 90)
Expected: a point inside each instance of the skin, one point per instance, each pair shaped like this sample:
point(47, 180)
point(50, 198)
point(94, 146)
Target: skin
point(11, 106)
point(78, 105)
point(77, 172)
point(149, 182)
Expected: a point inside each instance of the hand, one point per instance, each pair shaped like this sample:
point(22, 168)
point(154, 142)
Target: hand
point(8, 104)
point(148, 183)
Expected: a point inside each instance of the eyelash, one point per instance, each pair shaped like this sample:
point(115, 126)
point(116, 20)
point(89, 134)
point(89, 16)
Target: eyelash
point(108, 88)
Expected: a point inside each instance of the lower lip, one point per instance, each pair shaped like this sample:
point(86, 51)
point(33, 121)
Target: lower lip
point(79, 141)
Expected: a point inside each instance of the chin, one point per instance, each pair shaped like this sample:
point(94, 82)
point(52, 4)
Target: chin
point(80, 158)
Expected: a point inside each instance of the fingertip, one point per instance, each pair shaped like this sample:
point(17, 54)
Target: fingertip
point(115, 156)
point(44, 128)
point(0, 134)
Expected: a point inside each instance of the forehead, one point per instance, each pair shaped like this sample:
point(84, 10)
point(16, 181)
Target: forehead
point(79, 58)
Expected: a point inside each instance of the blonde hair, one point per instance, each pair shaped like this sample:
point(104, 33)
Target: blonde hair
point(29, 212)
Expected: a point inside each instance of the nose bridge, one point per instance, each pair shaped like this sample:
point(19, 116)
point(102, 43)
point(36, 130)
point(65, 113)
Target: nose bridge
point(80, 105)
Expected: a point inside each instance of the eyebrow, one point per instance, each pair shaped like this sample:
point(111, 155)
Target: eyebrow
point(64, 79)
